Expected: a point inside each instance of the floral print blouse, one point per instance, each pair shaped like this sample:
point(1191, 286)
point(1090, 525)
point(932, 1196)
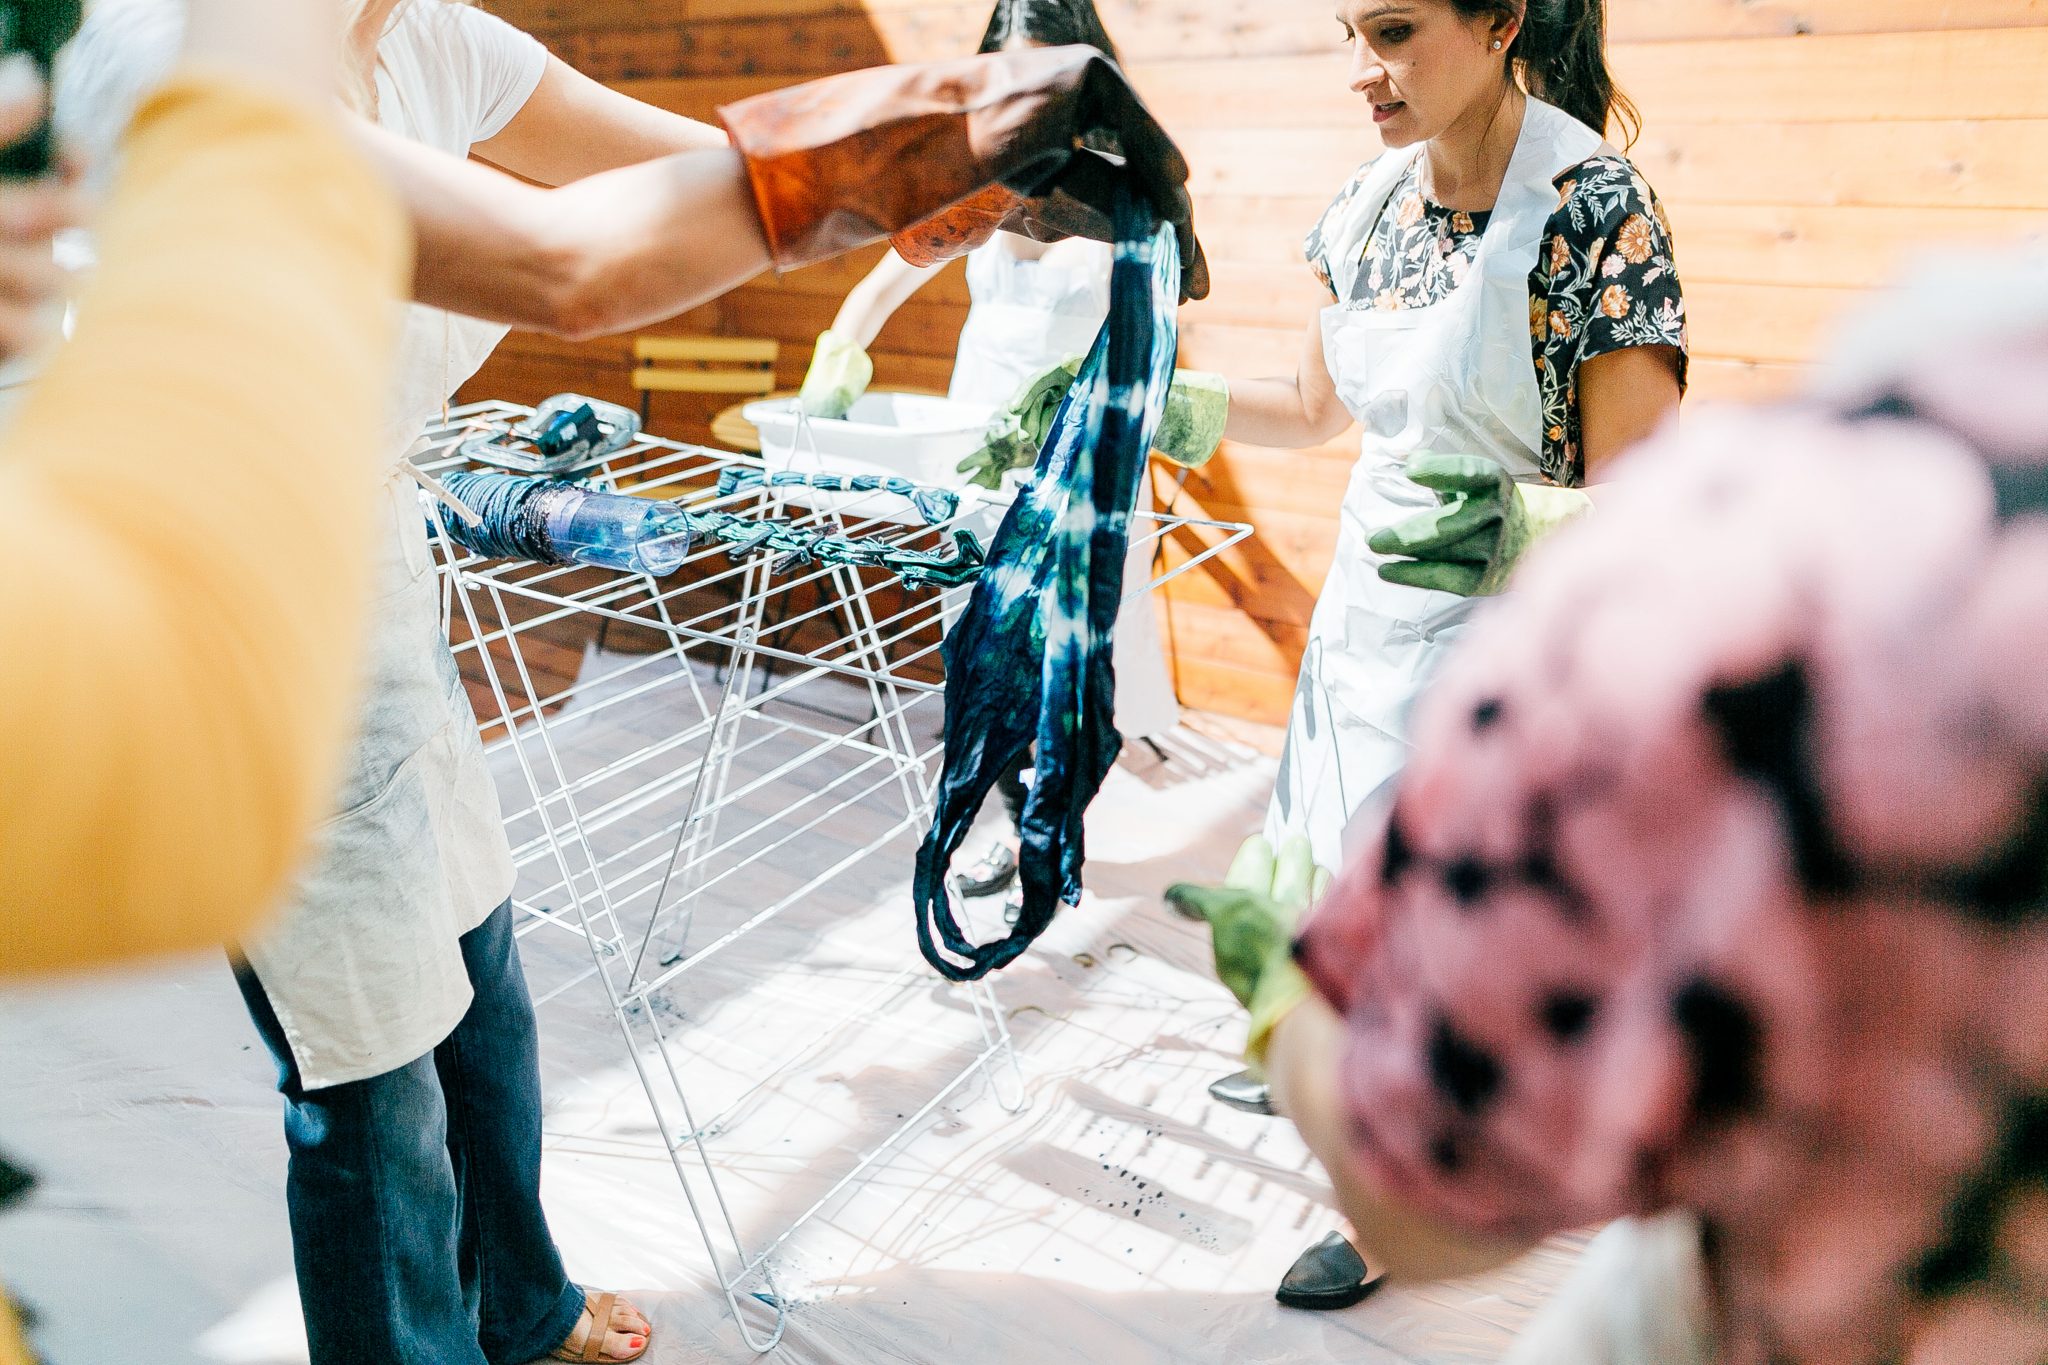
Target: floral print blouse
point(1605, 278)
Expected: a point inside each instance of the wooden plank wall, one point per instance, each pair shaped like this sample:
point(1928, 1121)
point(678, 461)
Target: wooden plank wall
point(1805, 148)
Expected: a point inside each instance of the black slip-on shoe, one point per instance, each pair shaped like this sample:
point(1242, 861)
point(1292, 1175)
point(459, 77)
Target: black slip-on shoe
point(1244, 1091)
point(1328, 1276)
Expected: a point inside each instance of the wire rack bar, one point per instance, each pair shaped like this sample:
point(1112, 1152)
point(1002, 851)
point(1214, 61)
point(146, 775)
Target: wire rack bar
point(703, 778)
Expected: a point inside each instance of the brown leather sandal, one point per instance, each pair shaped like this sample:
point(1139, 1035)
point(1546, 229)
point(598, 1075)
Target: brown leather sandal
point(598, 1307)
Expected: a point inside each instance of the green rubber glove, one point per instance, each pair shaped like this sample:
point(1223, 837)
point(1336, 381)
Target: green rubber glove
point(1252, 918)
point(840, 373)
point(1038, 401)
point(1004, 448)
point(1196, 407)
point(1189, 431)
point(1018, 430)
point(1471, 543)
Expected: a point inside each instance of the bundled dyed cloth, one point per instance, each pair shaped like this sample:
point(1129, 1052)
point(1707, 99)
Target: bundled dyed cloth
point(935, 505)
point(516, 516)
point(1719, 877)
point(1029, 662)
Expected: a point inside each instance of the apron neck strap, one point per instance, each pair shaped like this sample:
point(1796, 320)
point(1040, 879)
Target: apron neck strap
point(1551, 143)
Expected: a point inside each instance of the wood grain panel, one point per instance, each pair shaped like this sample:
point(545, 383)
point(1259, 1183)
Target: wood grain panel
point(919, 327)
point(1839, 246)
point(1268, 581)
point(838, 39)
point(1889, 78)
point(616, 39)
point(1941, 163)
point(1209, 684)
point(1686, 20)
point(1268, 229)
point(1743, 381)
point(1145, 26)
point(1772, 323)
point(1212, 632)
point(1884, 77)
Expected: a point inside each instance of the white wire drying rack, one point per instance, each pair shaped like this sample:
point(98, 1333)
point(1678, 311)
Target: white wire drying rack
point(719, 802)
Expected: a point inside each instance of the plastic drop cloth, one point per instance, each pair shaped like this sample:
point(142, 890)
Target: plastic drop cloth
point(1121, 1219)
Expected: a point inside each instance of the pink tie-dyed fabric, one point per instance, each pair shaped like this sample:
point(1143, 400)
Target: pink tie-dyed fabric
point(1719, 878)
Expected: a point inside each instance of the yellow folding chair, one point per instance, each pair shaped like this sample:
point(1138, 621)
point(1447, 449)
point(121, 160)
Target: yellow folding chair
point(670, 364)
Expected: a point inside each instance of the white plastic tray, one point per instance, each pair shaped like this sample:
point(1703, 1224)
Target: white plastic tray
point(914, 436)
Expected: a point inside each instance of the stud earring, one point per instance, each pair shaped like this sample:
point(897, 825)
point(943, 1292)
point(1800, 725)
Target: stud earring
point(1496, 44)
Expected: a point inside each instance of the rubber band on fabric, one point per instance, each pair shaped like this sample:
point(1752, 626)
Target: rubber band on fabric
point(1029, 663)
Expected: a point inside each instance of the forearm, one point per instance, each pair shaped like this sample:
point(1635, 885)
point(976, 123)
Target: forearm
point(872, 302)
point(190, 489)
point(1276, 412)
point(1302, 1063)
point(651, 241)
point(610, 252)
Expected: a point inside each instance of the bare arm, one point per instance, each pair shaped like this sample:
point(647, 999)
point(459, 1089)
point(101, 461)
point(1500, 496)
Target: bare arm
point(1624, 396)
point(653, 214)
point(572, 126)
point(873, 301)
point(609, 252)
point(1303, 1066)
point(1289, 413)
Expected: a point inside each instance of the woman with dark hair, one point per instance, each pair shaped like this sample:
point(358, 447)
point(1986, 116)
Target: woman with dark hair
point(1047, 23)
point(1036, 305)
point(1502, 286)
point(1504, 319)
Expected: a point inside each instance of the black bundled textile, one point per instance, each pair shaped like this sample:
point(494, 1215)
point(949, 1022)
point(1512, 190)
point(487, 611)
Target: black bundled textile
point(1029, 662)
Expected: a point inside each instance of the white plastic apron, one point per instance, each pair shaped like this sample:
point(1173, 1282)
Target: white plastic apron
point(363, 965)
point(1455, 377)
point(1028, 316)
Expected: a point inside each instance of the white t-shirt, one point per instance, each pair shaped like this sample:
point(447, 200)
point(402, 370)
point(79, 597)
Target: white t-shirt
point(448, 76)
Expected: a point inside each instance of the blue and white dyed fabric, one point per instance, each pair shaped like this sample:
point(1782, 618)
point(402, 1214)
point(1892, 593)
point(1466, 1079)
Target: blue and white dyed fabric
point(1029, 662)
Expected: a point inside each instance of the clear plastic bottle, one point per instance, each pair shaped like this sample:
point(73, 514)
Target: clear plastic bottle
point(616, 531)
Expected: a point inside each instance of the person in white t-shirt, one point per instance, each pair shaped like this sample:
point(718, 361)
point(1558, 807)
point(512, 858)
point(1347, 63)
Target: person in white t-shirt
point(389, 991)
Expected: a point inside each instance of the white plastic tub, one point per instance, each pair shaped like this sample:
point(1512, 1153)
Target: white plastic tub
point(913, 436)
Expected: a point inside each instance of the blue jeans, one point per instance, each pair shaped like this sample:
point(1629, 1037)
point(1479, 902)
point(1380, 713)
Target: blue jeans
point(414, 1196)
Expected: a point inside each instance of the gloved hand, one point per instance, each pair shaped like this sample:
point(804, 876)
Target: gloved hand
point(1003, 449)
point(840, 373)
point(957, 150)
point(1252, 917)
point(1189, 430)
point(1192, 427)
point(1017, 432)
point(1470, 544)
